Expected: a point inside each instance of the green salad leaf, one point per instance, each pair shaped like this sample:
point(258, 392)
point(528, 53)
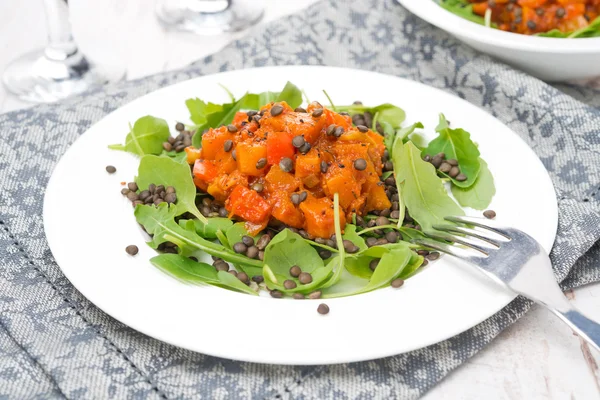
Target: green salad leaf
point(339, 260)
point(456, 144)
point(210, 115)
point(168, 172)
point(463, 9)
point(184, 269)
point(412, 267)
point(233, 235)
point(592, 30)
point(145, 137)
point(480, 194)
point(422, 190)
point(284, 251)
point(351, 235)
point(160, 222)
point(189, 271)
point(209, 229)
point(386, 114)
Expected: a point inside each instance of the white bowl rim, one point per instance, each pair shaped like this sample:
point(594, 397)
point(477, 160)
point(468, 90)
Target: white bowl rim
point(432, 12)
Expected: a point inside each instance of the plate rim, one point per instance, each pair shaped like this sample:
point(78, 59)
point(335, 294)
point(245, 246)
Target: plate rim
point(447, 335)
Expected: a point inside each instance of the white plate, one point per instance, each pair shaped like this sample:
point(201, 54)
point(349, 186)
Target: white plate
point(551, 59)
point(88, 237)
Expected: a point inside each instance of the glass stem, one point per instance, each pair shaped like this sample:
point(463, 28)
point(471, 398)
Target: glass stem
point(60, 38)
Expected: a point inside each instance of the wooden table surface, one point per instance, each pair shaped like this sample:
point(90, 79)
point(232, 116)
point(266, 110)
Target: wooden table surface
point(536, 358)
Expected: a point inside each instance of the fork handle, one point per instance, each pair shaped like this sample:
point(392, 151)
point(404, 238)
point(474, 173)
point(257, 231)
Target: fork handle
point(586, 328)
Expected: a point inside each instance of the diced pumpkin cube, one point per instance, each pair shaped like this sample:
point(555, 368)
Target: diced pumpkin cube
point(319, 217)
point(213, 140)
point(192, 154)
point(340, 181)
point(276, 180)
point(308, 164)
point(247, 155)
point(285, 211)
point(376, 197)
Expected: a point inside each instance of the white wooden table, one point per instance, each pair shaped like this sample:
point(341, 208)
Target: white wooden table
point(536, 358)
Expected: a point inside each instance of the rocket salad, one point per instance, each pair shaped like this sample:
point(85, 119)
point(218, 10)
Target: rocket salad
point(302, 201)
point(550, 18)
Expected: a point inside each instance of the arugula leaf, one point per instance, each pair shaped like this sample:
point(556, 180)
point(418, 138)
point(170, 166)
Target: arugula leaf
point(591, 30)
point(145, 137)
point(233, 235)
point(209, 229)
point(386, 113)
point(463, 9)
point(160, 222)
point(291, 95)
point(285, 250)
point(199, 110)
point(168, 172)
point(400, 135)
point(412, 267)
point(184, 269)
point(235, 232)
point(479, 195)
point(422, 191)
point(231, 282)
point(189, 271)
point(211, 115)
point(341, 256)
point(351, 235)
point(457, 144)
point(391, 265)
point(180, 157)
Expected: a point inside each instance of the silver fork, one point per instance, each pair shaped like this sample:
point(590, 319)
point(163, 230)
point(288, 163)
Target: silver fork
point(514, 260)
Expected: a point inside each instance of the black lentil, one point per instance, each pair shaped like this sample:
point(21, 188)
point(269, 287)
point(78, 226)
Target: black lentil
point(240, 248)
point(298, 296)
point(258, 278)
point(132, 249)
point(360, 164)
point(300, 110)
point(261, 163)
point(286, 164)
point(317, 113)
point(324, 254)
point(276, 294)
point(295, 271)
point(179, 127)
point(362, 128)
point(228, 145)
point(315, 295)
point(324, 167)
point(263, 241)
point(232, 128)
point(289, 284)
point(489, 214)
point(298, 141)
point(323, 309)
point(111, 169)
point(396, 283)
point(276, 110)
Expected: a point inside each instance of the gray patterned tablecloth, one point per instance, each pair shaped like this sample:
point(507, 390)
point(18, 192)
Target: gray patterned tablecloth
point(54, 343)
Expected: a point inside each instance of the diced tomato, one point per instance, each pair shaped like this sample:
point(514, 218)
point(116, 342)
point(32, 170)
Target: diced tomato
point(205, 170)
point(248, 154)
point(279, 145)
point(248, 204)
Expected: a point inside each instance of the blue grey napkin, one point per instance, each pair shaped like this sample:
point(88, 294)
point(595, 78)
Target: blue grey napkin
point(54, 343)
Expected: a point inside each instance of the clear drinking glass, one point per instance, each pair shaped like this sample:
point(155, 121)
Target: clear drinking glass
point(59, 70)
point(209, 16)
